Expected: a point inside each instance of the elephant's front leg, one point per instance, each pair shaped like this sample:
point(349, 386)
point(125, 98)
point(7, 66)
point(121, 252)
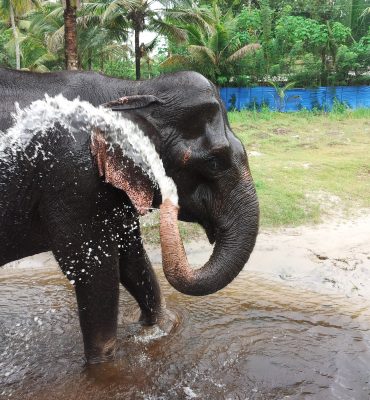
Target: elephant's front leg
point(138, 277)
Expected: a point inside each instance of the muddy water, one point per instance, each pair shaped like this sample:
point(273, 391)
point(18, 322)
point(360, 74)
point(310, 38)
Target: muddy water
point(256, 339)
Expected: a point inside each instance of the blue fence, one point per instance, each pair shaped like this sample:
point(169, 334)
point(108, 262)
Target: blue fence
point(322, 98)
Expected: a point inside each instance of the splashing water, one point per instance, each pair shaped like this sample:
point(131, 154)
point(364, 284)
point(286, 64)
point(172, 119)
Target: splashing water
point(77, 115)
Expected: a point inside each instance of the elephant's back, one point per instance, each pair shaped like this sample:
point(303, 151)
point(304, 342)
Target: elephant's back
point(24, 87)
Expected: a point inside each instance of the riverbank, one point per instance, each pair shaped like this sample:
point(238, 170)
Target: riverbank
point(328, 258)
point(332, 257)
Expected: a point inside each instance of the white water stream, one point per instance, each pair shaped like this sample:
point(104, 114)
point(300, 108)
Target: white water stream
point(75, 115)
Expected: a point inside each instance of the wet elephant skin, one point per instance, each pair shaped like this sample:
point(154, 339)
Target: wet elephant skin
point(92, 227)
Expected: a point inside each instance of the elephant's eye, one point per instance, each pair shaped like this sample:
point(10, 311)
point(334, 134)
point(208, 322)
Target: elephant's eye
point(213, 164)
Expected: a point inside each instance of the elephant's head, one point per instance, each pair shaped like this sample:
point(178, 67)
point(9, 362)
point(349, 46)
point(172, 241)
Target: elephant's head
point(185, 118)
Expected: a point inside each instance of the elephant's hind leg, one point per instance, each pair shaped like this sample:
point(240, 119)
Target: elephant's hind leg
point(96, 281)
point(97, 300)
point(90, 261)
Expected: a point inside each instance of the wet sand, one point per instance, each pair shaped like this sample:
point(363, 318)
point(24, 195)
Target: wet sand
point(295, 324)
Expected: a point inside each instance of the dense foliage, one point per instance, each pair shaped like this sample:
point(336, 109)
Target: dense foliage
point(232, 42)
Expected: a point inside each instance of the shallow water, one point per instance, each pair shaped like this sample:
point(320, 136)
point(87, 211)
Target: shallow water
point(256, 339)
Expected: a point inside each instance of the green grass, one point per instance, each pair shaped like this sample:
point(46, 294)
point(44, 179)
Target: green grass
point(305, 165)
point(188, 231)
point(311, 164)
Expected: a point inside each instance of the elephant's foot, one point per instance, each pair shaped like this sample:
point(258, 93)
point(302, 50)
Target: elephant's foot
point(101, 354)
point(165, 320)
point(168, 321)
point(103, 373)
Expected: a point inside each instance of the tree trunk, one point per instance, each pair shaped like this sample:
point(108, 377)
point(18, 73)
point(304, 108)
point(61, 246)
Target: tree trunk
point(149, 69)
point(102, 62)
point(324, 71)
point(16, 38)
point(70, 35)
point(137, 53)
point(89, 59)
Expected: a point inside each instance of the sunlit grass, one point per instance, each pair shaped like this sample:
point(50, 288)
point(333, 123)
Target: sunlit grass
point(306, 165)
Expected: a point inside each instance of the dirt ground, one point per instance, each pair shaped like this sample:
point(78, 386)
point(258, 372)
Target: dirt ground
point(333, 257)
point(295, 322)
point(330, 257)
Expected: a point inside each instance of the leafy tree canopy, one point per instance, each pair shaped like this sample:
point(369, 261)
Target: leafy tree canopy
point(232, 42)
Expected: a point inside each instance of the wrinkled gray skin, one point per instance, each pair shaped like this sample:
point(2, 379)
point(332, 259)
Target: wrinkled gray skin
point(68, 208)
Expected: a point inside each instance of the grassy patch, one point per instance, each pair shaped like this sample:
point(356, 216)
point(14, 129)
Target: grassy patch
point(306, 165)
point(150, 229)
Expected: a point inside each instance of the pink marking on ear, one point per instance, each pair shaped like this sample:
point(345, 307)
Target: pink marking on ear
point(98, 150)
point(122, 173)
point(131, 180)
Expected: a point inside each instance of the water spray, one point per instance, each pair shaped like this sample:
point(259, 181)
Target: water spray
point(77, 115)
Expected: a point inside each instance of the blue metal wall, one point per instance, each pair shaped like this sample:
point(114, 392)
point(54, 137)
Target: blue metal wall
point(296, 99)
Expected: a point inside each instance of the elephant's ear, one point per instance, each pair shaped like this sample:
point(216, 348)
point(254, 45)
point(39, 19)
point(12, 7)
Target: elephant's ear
point(121, 172)
point(132, 102)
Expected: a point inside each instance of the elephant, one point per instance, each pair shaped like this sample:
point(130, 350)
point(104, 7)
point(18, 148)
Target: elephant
point(63, 204)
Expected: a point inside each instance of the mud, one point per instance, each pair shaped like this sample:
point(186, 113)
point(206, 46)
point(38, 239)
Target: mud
point(294, 324)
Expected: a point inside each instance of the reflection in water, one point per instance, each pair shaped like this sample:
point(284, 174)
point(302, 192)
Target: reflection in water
point(255, 339)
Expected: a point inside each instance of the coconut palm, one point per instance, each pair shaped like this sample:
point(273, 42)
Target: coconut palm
point(101, 37)
point(95, 40)
point(70, 33)
point(69, 30)
point(213, 50)
point(153, 15)
point(281, 93)
point(12, 10)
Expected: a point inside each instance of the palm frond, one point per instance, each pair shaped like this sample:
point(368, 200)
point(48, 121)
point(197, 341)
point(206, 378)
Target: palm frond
point(116, 7)
point(199, 17)
point(57, 12)
point(365, 13)
point(239, 54)
point(175, 60)
point(165, 28)
point(152, 44)
point(38, 64)
point(202, 53)
point(196, 35)
point(55, 41)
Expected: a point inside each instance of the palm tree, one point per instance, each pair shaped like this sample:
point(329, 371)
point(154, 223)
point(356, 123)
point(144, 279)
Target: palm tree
point(281, 93)
point(12, 9)
point(101, 36)
point(355, 15)
point(70, 34)
point(142, 14)
point(214, 49)
point(95, 40)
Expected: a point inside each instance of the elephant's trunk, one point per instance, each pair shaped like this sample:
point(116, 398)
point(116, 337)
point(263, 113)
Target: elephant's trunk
point(237, 230)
